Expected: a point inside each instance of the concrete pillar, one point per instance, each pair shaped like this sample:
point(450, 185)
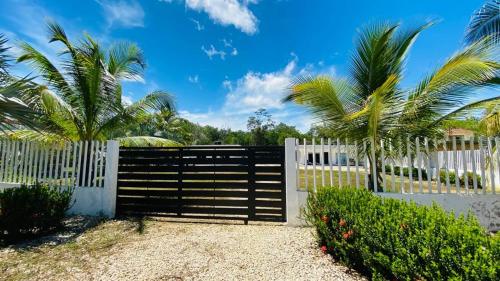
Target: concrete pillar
point(110, 178)
point(292, 201)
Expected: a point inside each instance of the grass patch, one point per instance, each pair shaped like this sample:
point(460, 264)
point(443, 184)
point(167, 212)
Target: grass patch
point(54, 262)
point(351, 181)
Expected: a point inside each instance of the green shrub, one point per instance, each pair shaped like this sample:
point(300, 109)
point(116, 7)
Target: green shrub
point(453, 179)
point(31, 210)
point(391, 239)
point(406, 172)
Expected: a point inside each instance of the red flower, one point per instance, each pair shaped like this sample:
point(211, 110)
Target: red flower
point(342, 222)
point(325, 219)
point(348, 234)
point(323, 249)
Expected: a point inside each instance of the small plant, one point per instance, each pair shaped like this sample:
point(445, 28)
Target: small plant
point(406, 171)
point(388, 239)
point(453, 179)
point(32, 210)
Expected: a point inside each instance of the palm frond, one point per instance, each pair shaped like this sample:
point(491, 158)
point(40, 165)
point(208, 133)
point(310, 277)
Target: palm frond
point(146, 141)
point(13, 111)
point(155, 101)
point(35, 136)
point(46, 69)
point(126, 61)
point(485, 23)
point(451, 85)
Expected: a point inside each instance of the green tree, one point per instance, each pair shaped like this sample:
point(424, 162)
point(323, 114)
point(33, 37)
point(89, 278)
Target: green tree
point(259, 125)
point(371, 104)
point(82, 99)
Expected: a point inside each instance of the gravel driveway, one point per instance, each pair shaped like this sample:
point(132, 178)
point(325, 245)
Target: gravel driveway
point(213, 251)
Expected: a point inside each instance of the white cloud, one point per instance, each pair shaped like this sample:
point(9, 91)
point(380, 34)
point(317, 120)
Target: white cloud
point(228, 12)
point(193, 79)
point(256, 90)
point(197, 24)
point(127, 99)
point(125, 13)
point(260, 90)
point(212, 51)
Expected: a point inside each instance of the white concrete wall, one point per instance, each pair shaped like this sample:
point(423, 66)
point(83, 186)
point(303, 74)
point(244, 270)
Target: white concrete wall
point(486, 207)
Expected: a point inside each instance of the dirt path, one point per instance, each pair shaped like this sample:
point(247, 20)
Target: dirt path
point(202, 251)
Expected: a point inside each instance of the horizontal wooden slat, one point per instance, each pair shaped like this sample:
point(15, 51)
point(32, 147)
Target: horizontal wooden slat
point(184, 193)
point(163, 184)
point(185, 210)
point(187, 176)
point(183, 202)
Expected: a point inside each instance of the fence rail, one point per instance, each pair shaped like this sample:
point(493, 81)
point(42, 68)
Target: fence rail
point(420, 165)
point(68, 164)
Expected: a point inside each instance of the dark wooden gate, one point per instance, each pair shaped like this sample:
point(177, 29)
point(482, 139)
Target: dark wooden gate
point(221, 182)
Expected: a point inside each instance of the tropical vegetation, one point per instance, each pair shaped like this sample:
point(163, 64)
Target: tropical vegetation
point(12, 109)
point(81, 98)
point(371, 103)
point(390, 239)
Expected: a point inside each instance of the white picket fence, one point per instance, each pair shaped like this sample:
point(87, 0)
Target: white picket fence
point(69, 164)
point(345, 163)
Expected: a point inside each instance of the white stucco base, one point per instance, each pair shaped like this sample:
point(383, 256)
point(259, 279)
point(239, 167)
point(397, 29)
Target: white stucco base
point(485, 207)
point(91, 201)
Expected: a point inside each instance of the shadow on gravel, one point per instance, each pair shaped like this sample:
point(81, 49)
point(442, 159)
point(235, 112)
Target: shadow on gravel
point(73, 227)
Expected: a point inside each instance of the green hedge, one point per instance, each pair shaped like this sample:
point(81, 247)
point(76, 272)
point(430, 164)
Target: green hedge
point(388, 239)
point(406, 172)
point(31, 210)
point(453, 179)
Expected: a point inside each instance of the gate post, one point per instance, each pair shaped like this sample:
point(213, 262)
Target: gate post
point(292, 200)
point(110, 178)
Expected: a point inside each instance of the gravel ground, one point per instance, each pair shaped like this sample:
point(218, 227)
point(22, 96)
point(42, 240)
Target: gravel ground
point(213, 251)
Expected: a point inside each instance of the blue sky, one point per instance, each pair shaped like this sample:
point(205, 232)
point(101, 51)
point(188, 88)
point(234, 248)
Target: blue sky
point(223, 59)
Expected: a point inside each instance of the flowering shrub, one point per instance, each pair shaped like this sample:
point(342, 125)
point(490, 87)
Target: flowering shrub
point(389, 239)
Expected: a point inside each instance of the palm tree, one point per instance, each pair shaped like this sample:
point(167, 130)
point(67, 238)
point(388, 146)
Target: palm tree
point(371, 104)
point(82, 99)
point(485, 23)
point(13, 111)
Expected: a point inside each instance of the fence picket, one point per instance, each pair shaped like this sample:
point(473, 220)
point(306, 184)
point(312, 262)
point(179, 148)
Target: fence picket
point(393, 179)
point(348, 160)
point(446, 166)
point(382, 158)
point(473, 162)
point(419, 165)
point(410, 164)
point(330, 160)
point(401, 161)
point(455, 163)
point(492, 167)
point(428, 165)
point(322, 160)
point(104, 149)
point(339, 162)
point(314, 163)
point(374, 175)
point(483, 165)
point(464, 163)
point(365, 152)
point(438, 167)
point(356, 161)
point(306, 155)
